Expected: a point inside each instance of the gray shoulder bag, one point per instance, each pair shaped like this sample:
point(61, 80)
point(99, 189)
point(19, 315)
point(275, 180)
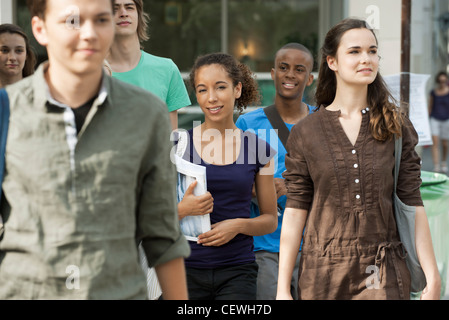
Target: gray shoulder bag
point(405, 221)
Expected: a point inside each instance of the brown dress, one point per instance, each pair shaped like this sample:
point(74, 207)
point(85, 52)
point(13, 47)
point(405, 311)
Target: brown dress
point(351, 247)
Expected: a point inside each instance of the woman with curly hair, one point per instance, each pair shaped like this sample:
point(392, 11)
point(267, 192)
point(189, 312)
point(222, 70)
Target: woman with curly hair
point(222, 263)
point(339, 176)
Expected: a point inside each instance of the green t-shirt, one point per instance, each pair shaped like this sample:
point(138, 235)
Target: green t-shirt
point(160, 76)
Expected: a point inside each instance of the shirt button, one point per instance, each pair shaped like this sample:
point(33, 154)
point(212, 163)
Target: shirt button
point(363, 111)
point(354, 152)
point(356, 165)
point(357, 180)
point(357, 197)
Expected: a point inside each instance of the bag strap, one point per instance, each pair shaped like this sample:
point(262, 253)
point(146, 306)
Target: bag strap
point(4, 123)
point(277, 123)
point(397, 158)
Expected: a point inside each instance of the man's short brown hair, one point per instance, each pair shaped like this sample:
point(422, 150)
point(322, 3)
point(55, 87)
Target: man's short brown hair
point(39, 7)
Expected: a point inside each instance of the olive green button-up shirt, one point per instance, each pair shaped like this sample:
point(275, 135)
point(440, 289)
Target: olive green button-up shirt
point(76, 205)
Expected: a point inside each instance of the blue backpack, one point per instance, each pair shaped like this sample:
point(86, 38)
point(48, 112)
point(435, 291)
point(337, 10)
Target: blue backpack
point(4, 124)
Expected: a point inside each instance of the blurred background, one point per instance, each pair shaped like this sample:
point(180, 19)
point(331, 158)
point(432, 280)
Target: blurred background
point(253, 30)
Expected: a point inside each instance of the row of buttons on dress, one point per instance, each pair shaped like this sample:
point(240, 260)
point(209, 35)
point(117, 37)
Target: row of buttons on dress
point(357, 181)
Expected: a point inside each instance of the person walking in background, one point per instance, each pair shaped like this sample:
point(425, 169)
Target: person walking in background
point(88, 171)
point(17, 59)
point(292, 73)
point(344, 187)
point(131, 64)
point(439, 122)
point(222, 263)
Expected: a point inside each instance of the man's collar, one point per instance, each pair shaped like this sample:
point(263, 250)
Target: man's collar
point(42, 93)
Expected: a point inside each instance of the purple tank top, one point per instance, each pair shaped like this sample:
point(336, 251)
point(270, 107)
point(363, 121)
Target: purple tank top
point(440, 108)
point(230, 186)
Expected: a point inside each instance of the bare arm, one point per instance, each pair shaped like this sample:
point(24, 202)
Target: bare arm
point(430, 106)
point(174, 119)
point(279, 184)
point(293, 223)
point(281, 189)
point(172, 278)
point(266, 222)
point(426, 256)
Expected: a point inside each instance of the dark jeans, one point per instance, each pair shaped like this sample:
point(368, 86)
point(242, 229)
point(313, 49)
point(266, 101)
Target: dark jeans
point(227, 283)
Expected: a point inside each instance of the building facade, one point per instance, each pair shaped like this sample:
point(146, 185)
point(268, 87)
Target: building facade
point(252, 30)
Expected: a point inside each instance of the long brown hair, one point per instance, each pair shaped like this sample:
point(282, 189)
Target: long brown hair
point(30, 61)
point(386, 118)
point(144, 20)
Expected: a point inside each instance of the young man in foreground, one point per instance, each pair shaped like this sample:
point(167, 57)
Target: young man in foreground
point(88, 173)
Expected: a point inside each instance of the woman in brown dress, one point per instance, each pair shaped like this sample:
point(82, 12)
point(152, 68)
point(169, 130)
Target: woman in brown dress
point(340, 181)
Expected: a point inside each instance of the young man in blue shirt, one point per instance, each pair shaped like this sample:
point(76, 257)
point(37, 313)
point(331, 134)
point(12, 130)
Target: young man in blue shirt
point(291, 74)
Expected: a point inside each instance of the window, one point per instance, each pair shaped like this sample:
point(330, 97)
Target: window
point(253, 30)
point(250, 30)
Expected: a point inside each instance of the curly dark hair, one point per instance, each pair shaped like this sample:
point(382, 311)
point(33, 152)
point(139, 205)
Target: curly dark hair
point(237, 71)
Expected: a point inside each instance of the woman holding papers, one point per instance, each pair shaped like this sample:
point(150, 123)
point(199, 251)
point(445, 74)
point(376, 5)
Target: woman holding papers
point(222, 264)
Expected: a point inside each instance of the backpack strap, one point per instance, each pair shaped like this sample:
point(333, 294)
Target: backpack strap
point(277, 123)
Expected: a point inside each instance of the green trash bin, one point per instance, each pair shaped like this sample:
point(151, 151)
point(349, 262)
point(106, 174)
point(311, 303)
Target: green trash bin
point(435, 195)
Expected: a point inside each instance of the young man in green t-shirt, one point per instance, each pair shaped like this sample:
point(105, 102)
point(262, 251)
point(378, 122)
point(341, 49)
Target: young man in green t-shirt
point(131, 64)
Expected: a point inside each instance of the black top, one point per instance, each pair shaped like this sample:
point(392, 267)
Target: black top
point(81, 113)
